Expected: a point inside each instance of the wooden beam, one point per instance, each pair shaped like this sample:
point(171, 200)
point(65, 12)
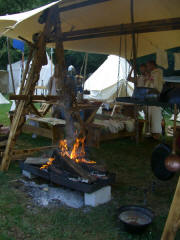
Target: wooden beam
point(34, 97)
point(173, 220)
point(81, 4)
point(3, 143)
point(32, 150)
point(122, 29)
point(26, 69)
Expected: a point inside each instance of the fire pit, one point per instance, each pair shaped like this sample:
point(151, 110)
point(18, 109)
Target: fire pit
point(72, 170)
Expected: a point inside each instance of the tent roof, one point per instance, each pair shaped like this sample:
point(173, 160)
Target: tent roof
point(109, 78)
point(107, 13)
point(107, 74)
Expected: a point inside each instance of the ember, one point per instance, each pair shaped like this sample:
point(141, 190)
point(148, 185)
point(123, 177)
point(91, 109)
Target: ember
point(49, 163)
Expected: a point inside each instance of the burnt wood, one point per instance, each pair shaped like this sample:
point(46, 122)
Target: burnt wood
point(34, 97)
point(64, 179)
point(76, 168)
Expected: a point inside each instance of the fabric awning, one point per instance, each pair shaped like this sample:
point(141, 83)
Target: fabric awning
point(108, 13)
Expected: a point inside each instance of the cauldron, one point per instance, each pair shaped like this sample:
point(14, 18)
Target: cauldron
point(158, 157)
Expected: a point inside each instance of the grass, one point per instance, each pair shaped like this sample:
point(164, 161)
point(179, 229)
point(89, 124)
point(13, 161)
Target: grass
point(4, 109)
point(20, 219)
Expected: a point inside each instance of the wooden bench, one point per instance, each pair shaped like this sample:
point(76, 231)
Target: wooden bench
point(52, 128)
point(95, 136)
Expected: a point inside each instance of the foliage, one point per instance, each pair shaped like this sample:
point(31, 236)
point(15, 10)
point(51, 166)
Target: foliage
point(77, 58)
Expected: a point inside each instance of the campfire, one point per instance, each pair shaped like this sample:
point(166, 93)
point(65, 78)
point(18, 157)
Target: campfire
point(77, 154)
point(70, 167)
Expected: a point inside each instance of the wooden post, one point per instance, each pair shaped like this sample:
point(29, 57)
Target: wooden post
point(63, 82)
point(173, 220)
point(25, 72)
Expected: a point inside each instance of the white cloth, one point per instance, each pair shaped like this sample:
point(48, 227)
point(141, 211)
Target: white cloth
point(141, 81)
point(176, 61)
point(144, 81)
point(157, 79)
point(52, 86)
point(162, 58)
point(155, 118)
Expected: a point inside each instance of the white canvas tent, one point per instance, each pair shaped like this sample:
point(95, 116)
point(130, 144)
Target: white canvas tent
point(104, 83)
point(178, 117)
point(3, 100)
point(45, 74)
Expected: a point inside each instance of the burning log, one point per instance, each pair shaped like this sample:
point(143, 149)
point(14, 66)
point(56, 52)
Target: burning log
point(69, 160)
point(75, 167)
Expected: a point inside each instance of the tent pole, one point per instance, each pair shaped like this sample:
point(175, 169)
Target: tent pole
point(135, 71)
point(133, 42)
point(10, 65)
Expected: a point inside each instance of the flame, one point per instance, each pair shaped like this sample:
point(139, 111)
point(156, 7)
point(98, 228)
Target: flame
point(77, 154)
point(49, 163)
point(78, 151)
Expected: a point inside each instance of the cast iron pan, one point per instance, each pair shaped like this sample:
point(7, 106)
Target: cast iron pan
point(160, 153)
point(135, 218)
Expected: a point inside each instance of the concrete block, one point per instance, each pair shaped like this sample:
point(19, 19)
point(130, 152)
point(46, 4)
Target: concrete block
point(28, 174)
point(101, 196)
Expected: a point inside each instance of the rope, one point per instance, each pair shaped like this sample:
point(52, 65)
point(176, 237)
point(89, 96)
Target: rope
point(85, 68)
point(119, 65)
point(125, 49)
point(83, 64)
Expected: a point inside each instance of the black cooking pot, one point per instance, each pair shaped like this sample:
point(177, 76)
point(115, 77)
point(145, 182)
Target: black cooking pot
point(135, 218)
point(170, 95)
point(159, 154)
point(145, 94)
